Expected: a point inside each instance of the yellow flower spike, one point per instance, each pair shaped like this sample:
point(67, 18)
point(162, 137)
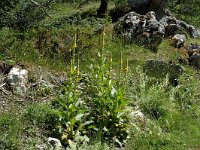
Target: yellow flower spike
point(74, 47)
point(78, 69)
point(126, 69)
point(121, 66)
point(103, 37)
point(70, 69)
point(110, 64)
point(75, 41)
point(121, 62)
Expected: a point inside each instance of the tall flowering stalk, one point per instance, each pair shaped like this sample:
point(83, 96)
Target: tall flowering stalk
point(70, 70)
point(126, 74)
point(110, 65)
point(121, 66)
point(102, 42)
point(74, 46)
point(101, 47)
point(78, 68)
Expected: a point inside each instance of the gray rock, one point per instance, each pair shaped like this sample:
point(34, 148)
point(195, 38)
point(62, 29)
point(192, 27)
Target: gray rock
point(193, 49)
point(178, 40)
point(142, 29)
point(157, 68)
point(148, 31)
point(175, 26)
point(137, 116)
point(194, 61)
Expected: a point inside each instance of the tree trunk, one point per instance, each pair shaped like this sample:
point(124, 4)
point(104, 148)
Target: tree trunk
point(103, 8)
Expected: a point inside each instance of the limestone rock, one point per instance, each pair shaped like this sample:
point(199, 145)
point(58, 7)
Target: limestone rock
point(137, 117)
point(149, 31)
point(174, 26)
point(17, 79)
point(141, 29)
point(193, 49)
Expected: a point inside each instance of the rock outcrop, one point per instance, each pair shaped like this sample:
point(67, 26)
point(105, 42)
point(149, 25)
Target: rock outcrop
point(143, 29)
point(174, 26)
point(149, 31)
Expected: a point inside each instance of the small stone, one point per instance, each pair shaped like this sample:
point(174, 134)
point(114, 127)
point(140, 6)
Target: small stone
point(54, 143)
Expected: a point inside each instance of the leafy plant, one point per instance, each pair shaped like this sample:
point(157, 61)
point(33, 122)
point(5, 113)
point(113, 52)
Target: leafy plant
point(70, 107)
point(96, 103)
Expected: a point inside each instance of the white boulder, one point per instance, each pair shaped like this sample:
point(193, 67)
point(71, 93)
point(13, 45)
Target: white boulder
point(17, 79)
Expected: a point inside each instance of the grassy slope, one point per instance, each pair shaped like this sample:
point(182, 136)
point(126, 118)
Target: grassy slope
point(179, 129)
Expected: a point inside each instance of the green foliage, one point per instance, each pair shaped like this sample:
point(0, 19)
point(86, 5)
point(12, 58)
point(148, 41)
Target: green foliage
point(70, 109)
point(119, 3)
point(39, 115)
point(152, 97)
point(186, 10)
point(24, 14)
point(10, 129)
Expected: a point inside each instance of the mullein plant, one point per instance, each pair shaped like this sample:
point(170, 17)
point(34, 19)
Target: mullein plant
point(99, 107)
point(108, 100)
point(71, 110)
